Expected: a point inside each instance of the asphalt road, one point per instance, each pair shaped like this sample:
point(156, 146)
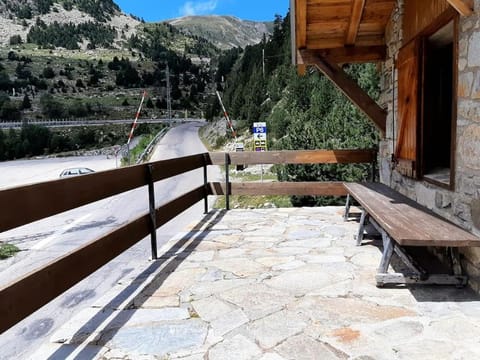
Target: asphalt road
point(45, 240)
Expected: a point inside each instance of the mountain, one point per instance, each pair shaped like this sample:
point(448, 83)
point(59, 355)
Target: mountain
point(225, 32)
point(47, 19)
point(90, 24)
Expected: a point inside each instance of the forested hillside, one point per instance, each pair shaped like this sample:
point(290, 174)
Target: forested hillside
point(301, 112)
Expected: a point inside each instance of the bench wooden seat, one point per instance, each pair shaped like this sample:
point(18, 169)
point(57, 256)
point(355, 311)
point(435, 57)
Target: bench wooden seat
point(403, 222)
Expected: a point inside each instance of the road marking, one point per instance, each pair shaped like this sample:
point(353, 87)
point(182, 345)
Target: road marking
point(49, 239)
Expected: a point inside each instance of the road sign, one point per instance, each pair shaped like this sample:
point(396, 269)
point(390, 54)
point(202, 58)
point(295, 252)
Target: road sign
point(260, 136)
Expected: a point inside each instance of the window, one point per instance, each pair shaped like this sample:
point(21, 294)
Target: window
point(438, 105)
point(427, 74)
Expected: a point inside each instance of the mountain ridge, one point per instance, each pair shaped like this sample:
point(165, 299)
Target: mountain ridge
point(224, 31)
point(18, 17)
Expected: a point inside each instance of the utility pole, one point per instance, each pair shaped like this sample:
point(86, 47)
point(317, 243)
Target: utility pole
point(169, 90)
point(263, 62)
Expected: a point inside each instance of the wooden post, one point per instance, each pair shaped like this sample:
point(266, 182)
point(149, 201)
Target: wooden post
point(205, 183)
point(153, 218)
point(227, 182)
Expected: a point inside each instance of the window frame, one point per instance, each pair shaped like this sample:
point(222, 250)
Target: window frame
point(415, 168)
point(431, 30)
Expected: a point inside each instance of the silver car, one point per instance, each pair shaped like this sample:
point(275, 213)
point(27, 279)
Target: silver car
point(76, 171)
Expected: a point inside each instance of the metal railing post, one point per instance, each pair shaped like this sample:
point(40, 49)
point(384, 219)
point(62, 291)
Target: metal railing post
point(227, 182)
point(153, 219)
point(205, 183)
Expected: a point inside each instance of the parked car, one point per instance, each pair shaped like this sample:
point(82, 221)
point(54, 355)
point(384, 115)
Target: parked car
point(76, 171)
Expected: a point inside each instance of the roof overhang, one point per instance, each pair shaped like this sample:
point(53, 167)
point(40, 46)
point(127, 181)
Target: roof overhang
point(346, 31)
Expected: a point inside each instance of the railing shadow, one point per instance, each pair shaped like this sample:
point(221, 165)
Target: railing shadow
point(192, 239)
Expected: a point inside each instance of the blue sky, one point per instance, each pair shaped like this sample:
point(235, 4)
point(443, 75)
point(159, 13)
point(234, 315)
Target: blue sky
point(157, 10)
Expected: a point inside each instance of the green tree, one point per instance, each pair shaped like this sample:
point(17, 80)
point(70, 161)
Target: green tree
point(51, 108)
point(48, 73)
point(26, 103)
point(35, 139)
point(15, 40)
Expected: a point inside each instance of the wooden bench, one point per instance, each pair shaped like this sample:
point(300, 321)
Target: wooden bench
point(403, 222)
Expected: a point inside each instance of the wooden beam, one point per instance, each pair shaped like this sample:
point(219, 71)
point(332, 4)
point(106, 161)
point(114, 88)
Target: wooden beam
point(464, 7)
point(353, 91)
point(342, 156)
point(354, 54)
point(301, 23)
point(301, 69)
point(282, 188)
point(357, 11)
point(34, 202)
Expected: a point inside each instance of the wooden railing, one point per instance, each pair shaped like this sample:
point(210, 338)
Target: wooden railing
point(324, 188)
point(30, 203)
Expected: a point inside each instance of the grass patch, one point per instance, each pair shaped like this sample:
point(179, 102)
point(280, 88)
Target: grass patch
point(253, 202)
point(7, 250)
point(137, 150)
point(247, 176)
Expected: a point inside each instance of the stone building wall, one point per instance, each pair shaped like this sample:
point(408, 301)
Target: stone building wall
point(461, 206)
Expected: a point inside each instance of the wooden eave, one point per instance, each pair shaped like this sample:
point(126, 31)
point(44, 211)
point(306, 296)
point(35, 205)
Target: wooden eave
point(350, 30)
point(355, 29)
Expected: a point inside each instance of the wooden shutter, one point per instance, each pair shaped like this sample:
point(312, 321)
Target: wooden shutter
point(409, 80)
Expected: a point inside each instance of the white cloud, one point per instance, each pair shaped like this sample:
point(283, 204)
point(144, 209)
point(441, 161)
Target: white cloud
point(191, 8)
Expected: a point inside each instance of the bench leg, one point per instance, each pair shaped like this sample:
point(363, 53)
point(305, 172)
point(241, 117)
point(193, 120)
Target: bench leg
point(455, 258)
point(361, 229)
point(419, 275)
point(347, 208)
point(388, 249)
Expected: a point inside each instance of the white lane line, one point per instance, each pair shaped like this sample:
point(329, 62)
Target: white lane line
point(49, 239)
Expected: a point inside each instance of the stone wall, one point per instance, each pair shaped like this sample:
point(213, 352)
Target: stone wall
point(461, 206)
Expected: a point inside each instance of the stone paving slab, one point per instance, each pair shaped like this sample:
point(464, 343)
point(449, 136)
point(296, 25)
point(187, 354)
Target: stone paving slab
point(272, 284)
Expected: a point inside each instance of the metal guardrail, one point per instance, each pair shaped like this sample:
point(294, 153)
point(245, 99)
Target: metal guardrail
point(150, 146)
point(34, 202)
point(86, 122)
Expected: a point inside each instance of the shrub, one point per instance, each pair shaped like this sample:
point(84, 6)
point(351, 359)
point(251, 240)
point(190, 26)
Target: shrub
point(15, 40)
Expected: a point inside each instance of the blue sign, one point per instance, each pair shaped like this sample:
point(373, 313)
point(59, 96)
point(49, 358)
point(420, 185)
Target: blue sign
point(260, 128)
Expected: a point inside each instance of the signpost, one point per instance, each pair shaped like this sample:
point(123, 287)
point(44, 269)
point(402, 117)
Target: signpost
point(260, 136)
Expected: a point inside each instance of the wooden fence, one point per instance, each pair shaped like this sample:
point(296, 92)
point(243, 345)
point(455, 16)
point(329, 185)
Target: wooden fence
point(34, 202)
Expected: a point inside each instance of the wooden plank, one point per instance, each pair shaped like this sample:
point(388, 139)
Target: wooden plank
point(408, 65)
point(420, 14)
point(34, 202)
point(353, 91)
point(301, 23)
point(357, 10)
point(296, 157)
point(433, 279)
point(464, 7)
point(282, 188)
point(343, 55)
point(48, 282)
point(26, 295)
point(406, 221)
point(172, 167)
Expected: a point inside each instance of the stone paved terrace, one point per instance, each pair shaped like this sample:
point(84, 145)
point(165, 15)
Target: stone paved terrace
point(270, 285)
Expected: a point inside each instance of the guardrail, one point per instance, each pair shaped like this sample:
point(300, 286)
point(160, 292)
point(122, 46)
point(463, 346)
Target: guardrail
point(88, 122)
point(34, 202)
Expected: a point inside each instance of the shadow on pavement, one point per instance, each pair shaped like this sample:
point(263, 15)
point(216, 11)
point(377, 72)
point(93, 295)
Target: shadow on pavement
point(193, 239)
